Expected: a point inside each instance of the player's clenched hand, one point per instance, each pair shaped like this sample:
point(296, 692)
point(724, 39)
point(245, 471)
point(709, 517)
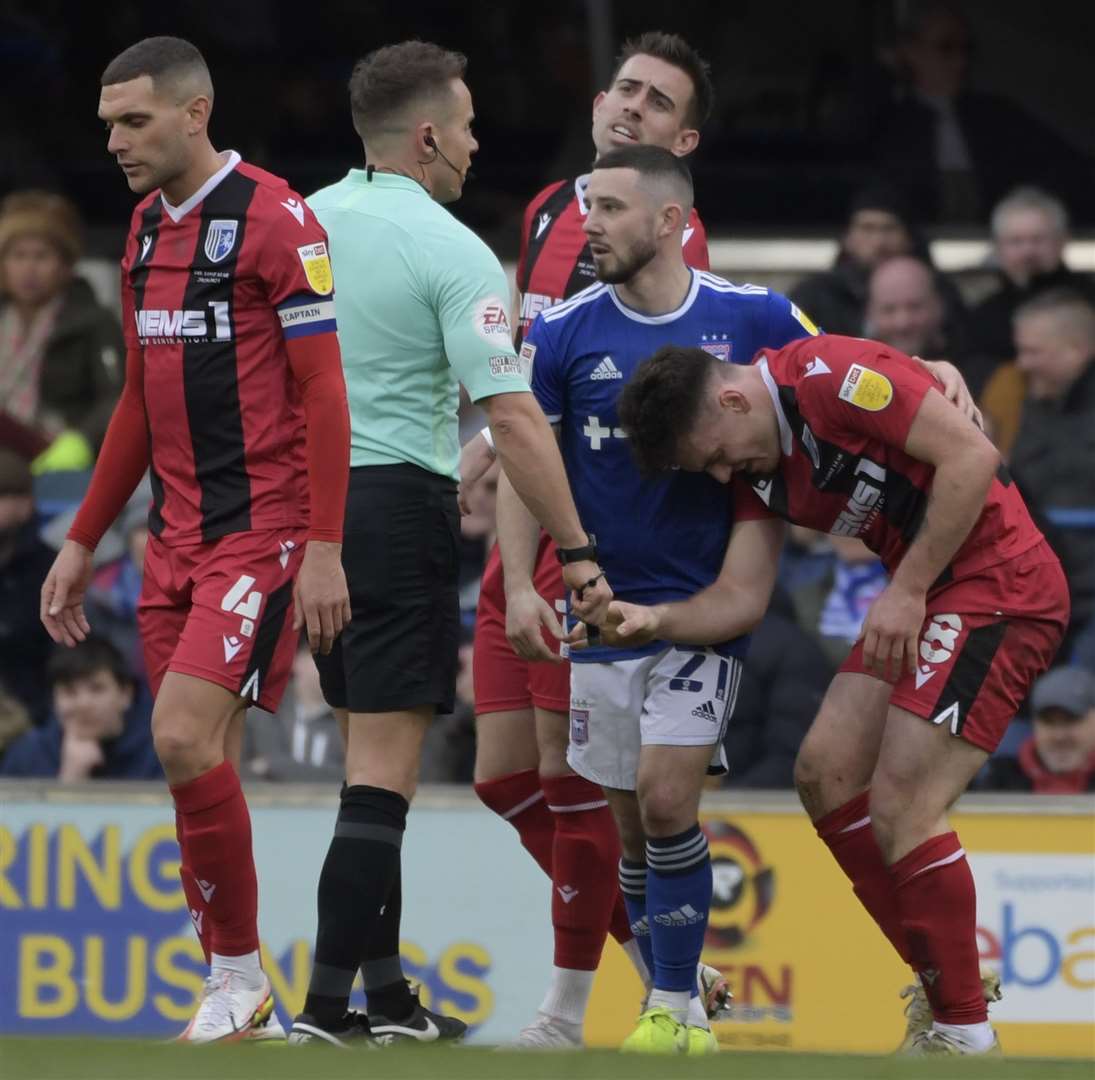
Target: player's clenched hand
point(526, 612)
point(320, 598)
point(954, 389)
point(62, 604)
point(890, 632)
point(590, 592)
point(626, 626)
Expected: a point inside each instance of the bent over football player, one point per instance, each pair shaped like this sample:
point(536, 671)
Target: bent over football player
point(849, 437)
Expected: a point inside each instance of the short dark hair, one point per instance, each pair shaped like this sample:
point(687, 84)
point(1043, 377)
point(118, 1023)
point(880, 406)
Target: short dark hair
point(87, 658)
point(390, 78)
point(661, 403)
point(673, 49)
point(161, 58)
point(651, 161)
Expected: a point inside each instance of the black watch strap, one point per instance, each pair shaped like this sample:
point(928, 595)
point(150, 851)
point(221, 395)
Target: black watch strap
point(578, 554)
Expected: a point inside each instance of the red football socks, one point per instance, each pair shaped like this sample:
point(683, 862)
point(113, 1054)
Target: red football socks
point(847, 833)
point(938, 903)
point(194, 902)
point(215, 828)
point(586, 852)
point(517, 798)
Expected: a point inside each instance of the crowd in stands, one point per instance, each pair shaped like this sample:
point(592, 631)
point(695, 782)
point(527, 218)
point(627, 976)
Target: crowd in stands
point(1027, 349)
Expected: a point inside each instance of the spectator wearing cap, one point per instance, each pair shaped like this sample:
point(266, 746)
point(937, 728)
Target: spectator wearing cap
point(1059, 757)
point(24, 562)
point(100, 726)
point(61, 352)
point(879, 227)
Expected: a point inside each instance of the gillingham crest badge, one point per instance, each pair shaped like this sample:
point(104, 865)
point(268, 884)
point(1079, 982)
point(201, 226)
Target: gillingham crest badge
point(220, 239)
point(317, 267)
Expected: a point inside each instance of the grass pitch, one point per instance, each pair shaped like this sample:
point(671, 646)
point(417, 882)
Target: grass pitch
point(106, 1059)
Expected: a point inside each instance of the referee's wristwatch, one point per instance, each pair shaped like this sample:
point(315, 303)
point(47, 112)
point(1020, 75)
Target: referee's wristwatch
point(588, 552)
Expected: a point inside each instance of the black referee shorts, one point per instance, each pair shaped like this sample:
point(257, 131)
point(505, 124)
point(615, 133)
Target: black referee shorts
point(400, 551)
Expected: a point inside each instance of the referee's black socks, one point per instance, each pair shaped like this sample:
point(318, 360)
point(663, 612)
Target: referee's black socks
point(387, 992)
point(361, 867)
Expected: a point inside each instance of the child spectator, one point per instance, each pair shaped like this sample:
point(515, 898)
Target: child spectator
point(99, 728)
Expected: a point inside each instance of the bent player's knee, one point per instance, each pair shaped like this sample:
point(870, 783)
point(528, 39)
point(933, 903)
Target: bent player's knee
point(809, 772)
point(884, 811)
point(905, 812)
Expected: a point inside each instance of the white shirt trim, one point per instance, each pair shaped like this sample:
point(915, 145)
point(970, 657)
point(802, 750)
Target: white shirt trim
point(177, 213)
point(657, 320)
point(588, 294)
point(785, 438)
point(581, 186)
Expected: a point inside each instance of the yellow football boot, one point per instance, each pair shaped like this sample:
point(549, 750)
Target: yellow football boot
point(658, 1032)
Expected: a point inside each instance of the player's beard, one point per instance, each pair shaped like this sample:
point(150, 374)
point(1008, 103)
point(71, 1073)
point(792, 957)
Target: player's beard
point(626, 266)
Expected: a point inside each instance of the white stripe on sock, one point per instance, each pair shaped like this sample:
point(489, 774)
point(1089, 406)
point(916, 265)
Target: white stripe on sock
point(860, 824)
point(959, 854)
point(515, 810)
point(577, 807)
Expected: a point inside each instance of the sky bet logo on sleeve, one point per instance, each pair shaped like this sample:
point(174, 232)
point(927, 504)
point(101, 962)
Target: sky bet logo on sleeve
point(866, 389)
point(317, 268)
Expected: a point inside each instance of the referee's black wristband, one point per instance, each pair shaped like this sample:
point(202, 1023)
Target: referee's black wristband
point(586, 553)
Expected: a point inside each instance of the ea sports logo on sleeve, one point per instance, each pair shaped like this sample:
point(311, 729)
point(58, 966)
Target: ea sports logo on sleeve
point(743, 887)
point(492, 322)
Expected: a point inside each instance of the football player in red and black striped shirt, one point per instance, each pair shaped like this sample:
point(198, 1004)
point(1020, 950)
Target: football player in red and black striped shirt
point(235, 400)
point(851, 437)
point(660, 95)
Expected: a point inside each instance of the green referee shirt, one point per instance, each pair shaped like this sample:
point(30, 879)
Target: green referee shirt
point(421, 306)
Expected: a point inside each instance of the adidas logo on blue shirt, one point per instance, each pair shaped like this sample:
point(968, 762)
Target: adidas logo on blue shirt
point(606, 369)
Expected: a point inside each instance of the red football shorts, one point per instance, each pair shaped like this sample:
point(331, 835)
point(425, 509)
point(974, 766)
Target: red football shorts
point(986, 639)
point(503, 681)
point(223, 611)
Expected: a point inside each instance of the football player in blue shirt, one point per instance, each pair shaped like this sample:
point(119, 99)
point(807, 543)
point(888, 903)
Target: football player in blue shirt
point(647, 724)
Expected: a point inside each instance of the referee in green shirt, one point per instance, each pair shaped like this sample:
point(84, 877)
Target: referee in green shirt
point(421, 308)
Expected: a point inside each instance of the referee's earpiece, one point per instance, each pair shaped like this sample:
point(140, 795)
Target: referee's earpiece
point(431, 142)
